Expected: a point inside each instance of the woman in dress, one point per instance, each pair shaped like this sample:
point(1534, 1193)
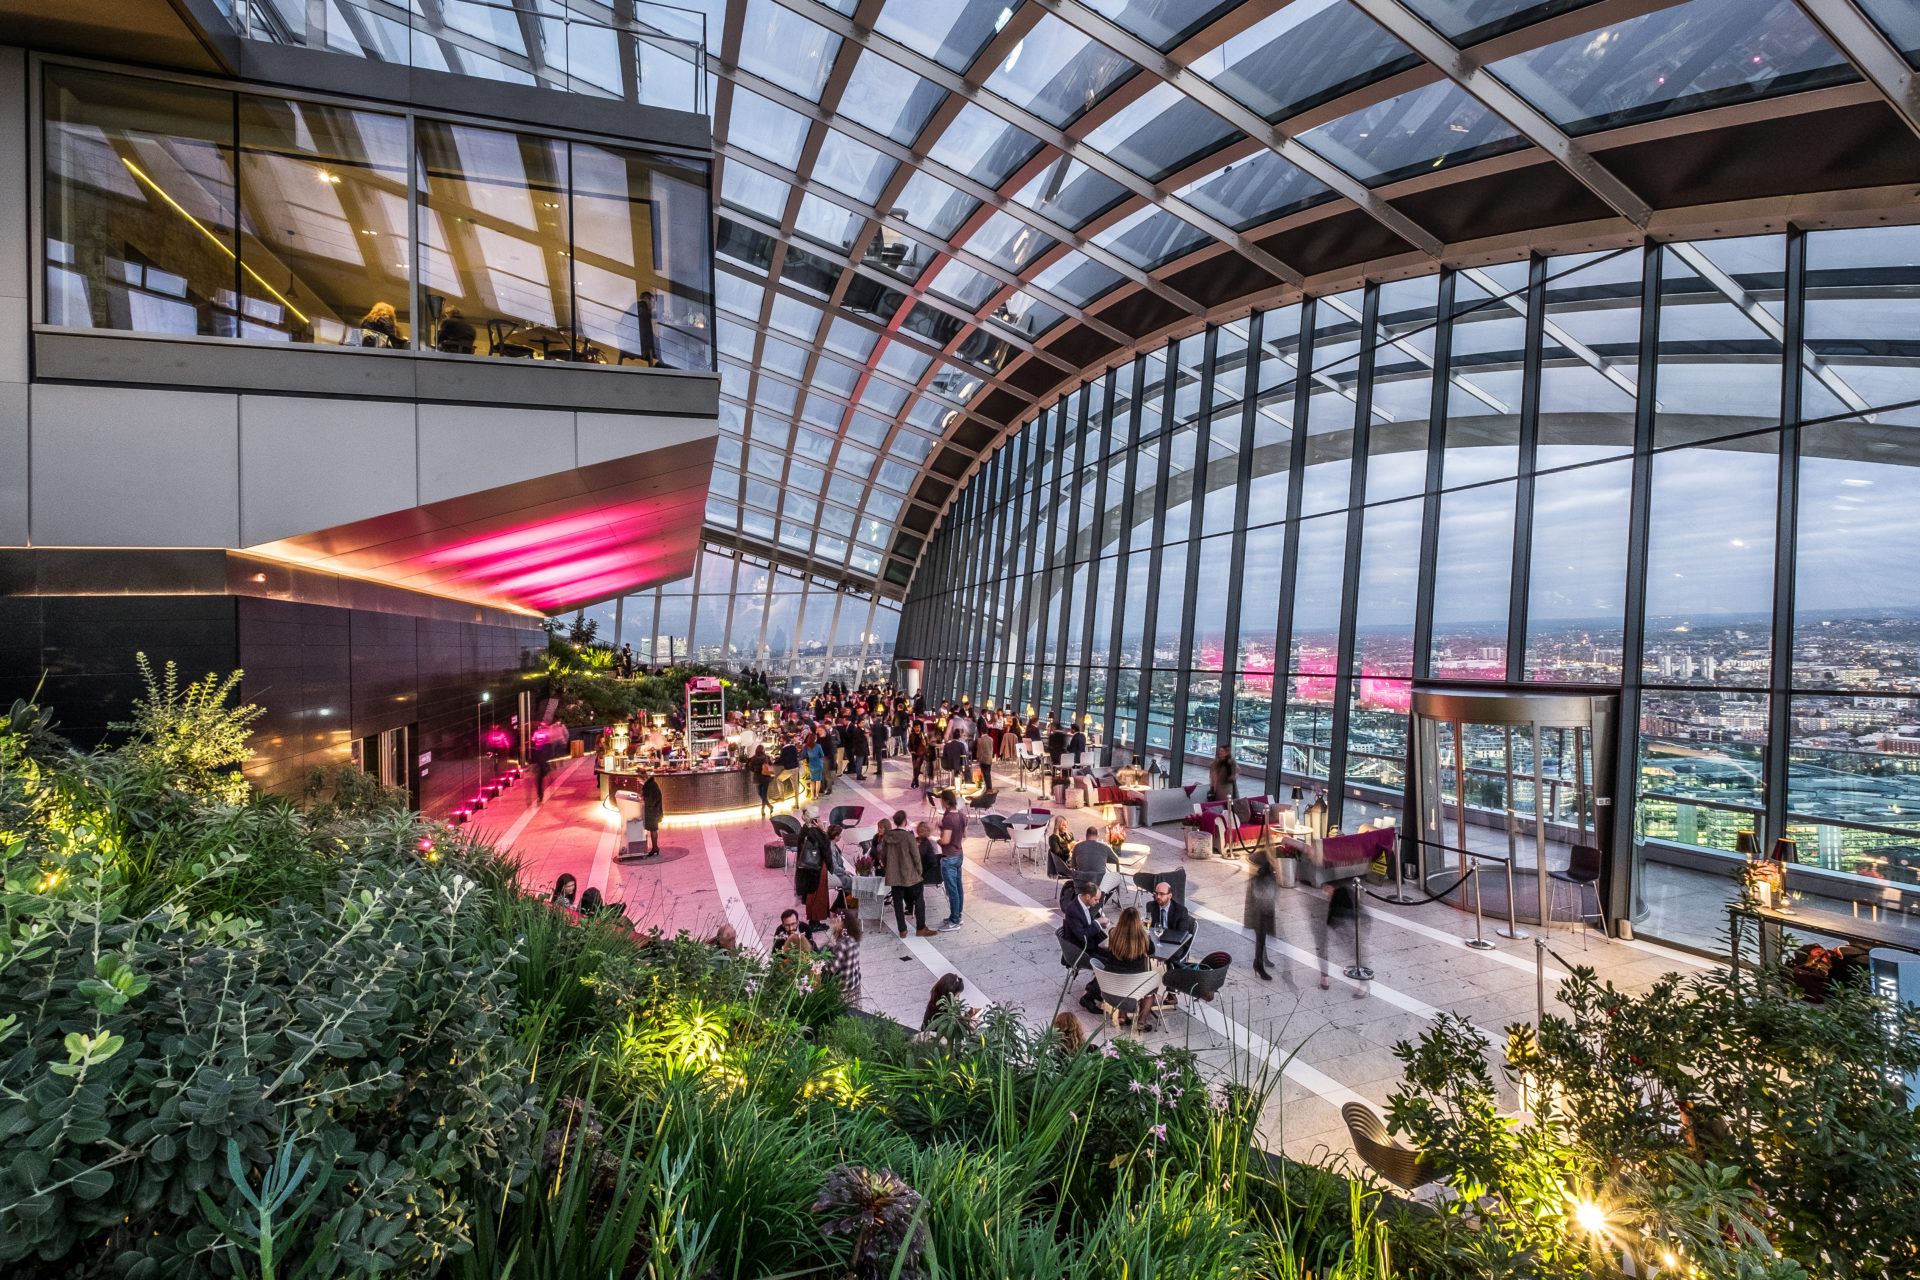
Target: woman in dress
point(1263, 887)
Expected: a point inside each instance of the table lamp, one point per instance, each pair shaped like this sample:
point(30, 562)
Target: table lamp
point(1744, 843)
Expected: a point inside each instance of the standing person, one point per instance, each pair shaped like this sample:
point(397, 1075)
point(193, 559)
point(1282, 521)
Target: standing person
point(810, 861)
point(900, 856)
point(654, 809)
point(1263, 888)
point(983, 747)
point(954, 756)
point(854, 738)
point(816, 766)
point(880, 744)
point(1077, 742)
point(1223, 775)
point(916, 749)
point(953, 834)
point(931, 871)
point(787, 769)
point(760, 764)
point(845, 946)
point(830, 747)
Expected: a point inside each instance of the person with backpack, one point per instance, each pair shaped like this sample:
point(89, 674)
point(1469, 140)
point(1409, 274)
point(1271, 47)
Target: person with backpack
point(809, 863)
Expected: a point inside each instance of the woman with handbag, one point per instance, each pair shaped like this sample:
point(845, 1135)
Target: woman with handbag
point(760, 764)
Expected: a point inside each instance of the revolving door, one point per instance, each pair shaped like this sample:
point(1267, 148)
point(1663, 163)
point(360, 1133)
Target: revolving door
point(1507, 788)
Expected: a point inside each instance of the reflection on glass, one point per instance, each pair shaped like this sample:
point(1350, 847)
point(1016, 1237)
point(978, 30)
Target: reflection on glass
point(1576, 585)
point(1705, 53)
point(1402, 402)
point(1388, 591)
point(140, 207)
point(1308, 743)
point(1473, 582)
point(1315, 646)
point(1720, 332)
point(1709, 604)
point(1589, 359)
point(1057, 72)
point(1160, 131)
point(1377, 733)
point(641, 262)
point(1862, 344)
point(1856, 621)
point(1303, 55)
point(1484, 372)
point(324, 216)
point(1429, 128)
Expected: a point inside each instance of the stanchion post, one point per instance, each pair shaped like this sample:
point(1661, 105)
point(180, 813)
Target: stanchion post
point(1513, 929)
point(1478, 941)
point(1539, 982)
point(1358, 971)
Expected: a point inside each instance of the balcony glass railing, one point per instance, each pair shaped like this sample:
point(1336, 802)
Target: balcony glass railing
point(650, 54)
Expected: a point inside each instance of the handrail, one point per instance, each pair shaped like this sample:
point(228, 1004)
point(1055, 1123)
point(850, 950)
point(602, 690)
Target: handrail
point(657, 57)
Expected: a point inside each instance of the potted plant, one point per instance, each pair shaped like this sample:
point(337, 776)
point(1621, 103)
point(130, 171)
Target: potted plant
point(1761, 881)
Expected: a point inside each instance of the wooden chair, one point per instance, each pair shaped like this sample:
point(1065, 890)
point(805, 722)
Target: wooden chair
point(1402, 1166)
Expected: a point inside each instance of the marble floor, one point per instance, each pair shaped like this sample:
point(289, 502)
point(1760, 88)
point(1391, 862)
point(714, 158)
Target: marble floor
point(1327, 1046)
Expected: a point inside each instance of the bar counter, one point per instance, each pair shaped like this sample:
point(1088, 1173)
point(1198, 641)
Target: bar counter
point(683, 791)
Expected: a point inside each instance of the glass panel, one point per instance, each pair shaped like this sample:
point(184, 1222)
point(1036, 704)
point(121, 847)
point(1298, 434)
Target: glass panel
point(1315, 647)
point(1706, 53)
point(982, 146)
point(1429, 128)
point(1254, 191)
point(641, 264)
point(1309, 727)
point(1377, 735)
point(1151, 237)
point(1590, 358)
point(1472, 582)
point(780, 46)
point(1901, 21)
point(1468, 22)
point(1387, 592)
point(1210, 604)
point(1485, 370)
point(888, 98)
point(1057, 72)
point(1857, 566)
point(1721, 307)
point(1863, 319)
point(1160, 131)
point(1070, 193)
point(1856, 760)
point(494, 235)
point(933, 206)
point(1402, 389)
point(951, 32)
point(853, 168)
point(324, 216)
point(1576, 585)
point(1303, 55)
point(1077, 279)
point(140, 206)
point(767, 129)
point(1161, 23)
point(1709, 609)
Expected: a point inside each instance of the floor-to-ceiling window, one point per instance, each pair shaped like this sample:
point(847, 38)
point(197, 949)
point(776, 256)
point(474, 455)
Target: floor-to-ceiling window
point(1595, 470)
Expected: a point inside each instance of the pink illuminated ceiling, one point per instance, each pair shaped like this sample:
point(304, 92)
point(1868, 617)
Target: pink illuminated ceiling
point(545, 544)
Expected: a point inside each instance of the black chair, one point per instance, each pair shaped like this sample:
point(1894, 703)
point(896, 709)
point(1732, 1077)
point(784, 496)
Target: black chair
point(983, 802)
point(1202, 981)
point(1073, 957)
point(1143, 881)
point(845, 815)
point(497, 344)
point(1583, 872)
point(457, 346)
point(788, 828)
point(1058, 868)
point(996, 828)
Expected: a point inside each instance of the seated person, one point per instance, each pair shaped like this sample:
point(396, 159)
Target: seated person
point(1059, 840)
point(789, 928)
point(1084, 931)
point(1094, 859)
point(725, 940)
point(1167, 914)
point(593, 905)
point(456, 333)
point(1131, 951)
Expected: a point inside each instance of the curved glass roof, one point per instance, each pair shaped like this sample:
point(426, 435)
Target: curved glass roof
point(919, 201)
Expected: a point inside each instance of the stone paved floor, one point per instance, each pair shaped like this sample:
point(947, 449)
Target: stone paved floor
point(1329, 1046)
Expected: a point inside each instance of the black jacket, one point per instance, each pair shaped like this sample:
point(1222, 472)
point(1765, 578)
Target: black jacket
point(854, 739)
point(1178, 919)
point(1082, 930)
point(651, 798)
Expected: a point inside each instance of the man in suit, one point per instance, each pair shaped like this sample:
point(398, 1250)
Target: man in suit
point(1166, 913)
point(1084, 930)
